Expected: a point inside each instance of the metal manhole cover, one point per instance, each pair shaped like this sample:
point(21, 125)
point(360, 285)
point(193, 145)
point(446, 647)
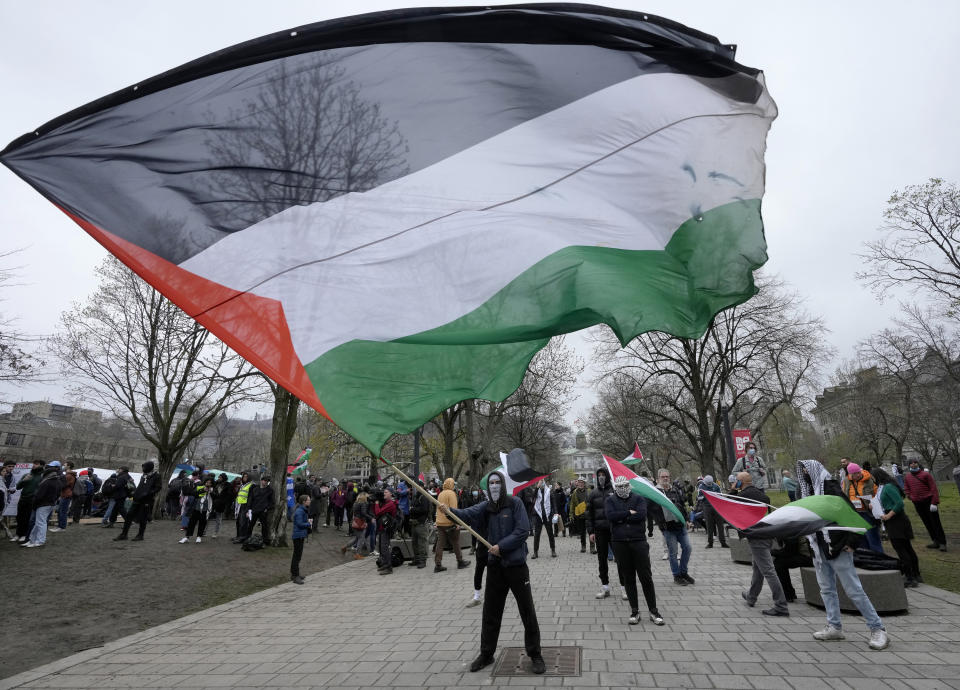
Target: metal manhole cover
point(560, 661)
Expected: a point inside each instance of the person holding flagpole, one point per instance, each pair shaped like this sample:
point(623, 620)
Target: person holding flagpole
point(760, 547)
point(503, 519)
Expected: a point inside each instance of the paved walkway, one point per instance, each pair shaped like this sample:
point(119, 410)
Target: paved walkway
point(348, 628)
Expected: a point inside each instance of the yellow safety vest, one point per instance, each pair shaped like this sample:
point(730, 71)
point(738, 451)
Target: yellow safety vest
point(243, 493)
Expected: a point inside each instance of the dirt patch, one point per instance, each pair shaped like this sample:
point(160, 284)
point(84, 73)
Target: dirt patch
point(82, 589)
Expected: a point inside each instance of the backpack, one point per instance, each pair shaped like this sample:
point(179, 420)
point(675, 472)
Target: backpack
point(253, 543)
point(108, 487)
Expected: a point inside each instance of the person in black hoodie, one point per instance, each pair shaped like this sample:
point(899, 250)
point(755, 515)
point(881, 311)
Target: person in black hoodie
point(599, 529)
point(503, 519)
point(27, 486)
point(261, 503)
point(143, 498)
point(44, 499)
point(626, 514)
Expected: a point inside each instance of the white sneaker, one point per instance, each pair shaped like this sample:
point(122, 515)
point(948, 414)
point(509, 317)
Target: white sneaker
point(656, 619)
point(665, 556)
point(603, 593)
point(879, 639)
point(375, 553)
point(829, 633)
point(15, 539)
point(23, 539)
point(198, 540)
point(623, 595)
point(31, 545)
point(634, 618)
point(473, 602)
point(184, 540)
point(55, 529)
point(27, 543)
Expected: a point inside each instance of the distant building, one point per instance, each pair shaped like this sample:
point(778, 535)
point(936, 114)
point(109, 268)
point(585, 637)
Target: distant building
point(44, 409)
point(582, 460)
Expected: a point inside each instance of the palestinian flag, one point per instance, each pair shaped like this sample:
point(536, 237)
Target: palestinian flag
point(739, 512)
point(642, 486)
point(516, 472)
point(636, 457)
point(300, 464)
point(806, 516)
point(393, 212)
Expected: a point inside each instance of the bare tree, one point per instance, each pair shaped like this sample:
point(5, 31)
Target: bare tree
point(19, 361)
point(132, 352)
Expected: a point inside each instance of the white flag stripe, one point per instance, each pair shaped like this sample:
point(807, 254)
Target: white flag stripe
point(630, 198)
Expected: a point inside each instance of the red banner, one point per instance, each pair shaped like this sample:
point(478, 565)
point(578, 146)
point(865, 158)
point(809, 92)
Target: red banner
point(740, 439)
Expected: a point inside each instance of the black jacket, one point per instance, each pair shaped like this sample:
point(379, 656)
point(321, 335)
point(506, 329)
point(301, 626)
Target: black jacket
point(419, 507)
point(678, 497)
point(261, 499)
point(47, 493)
point(596, 516)
point(623, 525)
point(222, 496)
point(148, 488)
point(755, 494)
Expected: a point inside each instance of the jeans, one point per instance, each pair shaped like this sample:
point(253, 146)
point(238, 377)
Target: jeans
point(842, 567)
point(371, 534)
point(217, 522)
point(38, 535)
point(109, 511)
point(872, 535)
point(63, 512)
point(673, 539)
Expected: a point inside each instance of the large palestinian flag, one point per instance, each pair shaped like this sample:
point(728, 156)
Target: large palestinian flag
point(642, 486)
point(796, 519)
point(393, 212)
point(516, 471)
point(738, 511)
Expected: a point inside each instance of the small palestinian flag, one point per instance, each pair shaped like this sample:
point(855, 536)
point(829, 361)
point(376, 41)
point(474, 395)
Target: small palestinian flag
point(421, 477)
point(642, 486)
point(636, 457)
point(739, 512)
point(300, 464)
point(806, 516)
point(516, 472)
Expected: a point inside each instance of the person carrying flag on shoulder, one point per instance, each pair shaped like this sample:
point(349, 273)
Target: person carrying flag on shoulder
point(503, 518)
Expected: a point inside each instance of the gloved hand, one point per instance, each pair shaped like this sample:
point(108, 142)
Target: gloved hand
point(933, 508)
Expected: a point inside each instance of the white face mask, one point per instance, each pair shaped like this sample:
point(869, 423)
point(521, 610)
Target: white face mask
point(622, 489)
point(495, 489)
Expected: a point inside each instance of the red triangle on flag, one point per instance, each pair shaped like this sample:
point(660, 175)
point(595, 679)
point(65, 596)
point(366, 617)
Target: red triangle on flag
point(738, 513)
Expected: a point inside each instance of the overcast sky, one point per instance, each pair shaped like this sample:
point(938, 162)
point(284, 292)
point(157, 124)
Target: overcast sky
point(867, 91)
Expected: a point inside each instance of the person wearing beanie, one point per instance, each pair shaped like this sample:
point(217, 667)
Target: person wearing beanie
point(859, 487)
point(142, 506)
point(447, 530)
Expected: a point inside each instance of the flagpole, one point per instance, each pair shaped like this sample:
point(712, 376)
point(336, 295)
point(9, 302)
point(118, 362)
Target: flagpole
point(436, 502)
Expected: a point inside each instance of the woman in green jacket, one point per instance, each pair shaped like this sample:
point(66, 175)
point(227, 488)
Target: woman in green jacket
point(898, 526)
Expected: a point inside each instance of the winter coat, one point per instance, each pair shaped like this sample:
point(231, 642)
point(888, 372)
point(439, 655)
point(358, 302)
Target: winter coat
point(403, 498)
point(301, 524)
point(921, 486)
point(222, 496)
point(261, 499)
point(507, 528)
point(559, 501)
point(853, 489)
point(596, 503)
point(148, 488)
point(544, 505)
point(27, 486)
point(121, 489)
point(419, 507)
point(49, 490)
point(756, 468)
point(625, 526)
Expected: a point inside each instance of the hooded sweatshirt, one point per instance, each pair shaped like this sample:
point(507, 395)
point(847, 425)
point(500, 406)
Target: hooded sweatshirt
point(447, 497)
point(504, 522)
point(596, 515)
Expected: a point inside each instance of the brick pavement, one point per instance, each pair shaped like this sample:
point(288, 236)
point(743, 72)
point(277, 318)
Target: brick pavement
point(349, 628)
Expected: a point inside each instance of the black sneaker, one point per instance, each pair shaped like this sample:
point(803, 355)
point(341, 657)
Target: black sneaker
point(747, 599)
point(690, 580)
point(139, 537)
point(297, 580)
point(462, 564)
point(421, 565)
point(679, 580)
point(439, 568)
point(533, 556)
point(724, 545)
point(481, 662)
point(708, 546)
point(537, 665)
point(120, 537)
point(774, 612)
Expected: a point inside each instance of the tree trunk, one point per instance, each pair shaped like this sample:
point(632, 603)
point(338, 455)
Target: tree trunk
point(166, 462)
point(285, 407)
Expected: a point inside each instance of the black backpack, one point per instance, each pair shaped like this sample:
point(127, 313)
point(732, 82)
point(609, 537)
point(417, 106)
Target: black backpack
point(108, 487)
point(253, 543)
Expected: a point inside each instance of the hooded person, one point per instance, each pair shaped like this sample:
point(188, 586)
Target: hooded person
point(447, 530)
point(419, 517)
point(599, 529)
point(626, 514)
point(544, 509)
point(832, 552)
point(503, 519)
point(142, 506)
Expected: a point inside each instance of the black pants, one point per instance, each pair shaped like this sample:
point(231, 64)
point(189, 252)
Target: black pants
point(383, 546)
point(650, 523)
point(633, 563)
point(602, 539)
point(714, 524)
point(783, 565)
point(24, 508)
point(931, 521)
point(118, 511)
point(76, 507)
point(479, 567)
point(500, 580)
point(198, 519)
point(260, 517)
point(243, 527)
point(297, 553)
point(580, 529)
point(139, 513)
point(539, 524)
point(909, 564)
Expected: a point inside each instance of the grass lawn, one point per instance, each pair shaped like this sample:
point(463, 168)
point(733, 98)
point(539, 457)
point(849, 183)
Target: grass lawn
point(938, 568)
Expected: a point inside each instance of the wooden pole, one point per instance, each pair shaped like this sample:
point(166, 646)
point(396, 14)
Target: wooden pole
point(436, 502)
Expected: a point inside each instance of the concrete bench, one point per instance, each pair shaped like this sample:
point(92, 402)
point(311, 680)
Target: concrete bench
point(740, 550)
point(884, 587)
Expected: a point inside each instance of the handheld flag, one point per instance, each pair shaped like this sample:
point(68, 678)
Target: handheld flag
point(641, 486)
point(738, 512)
point(516, 471)
point(300, 464)
point(636, 457)
point(389, 213)
point(421, 477)
point(806, 516)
